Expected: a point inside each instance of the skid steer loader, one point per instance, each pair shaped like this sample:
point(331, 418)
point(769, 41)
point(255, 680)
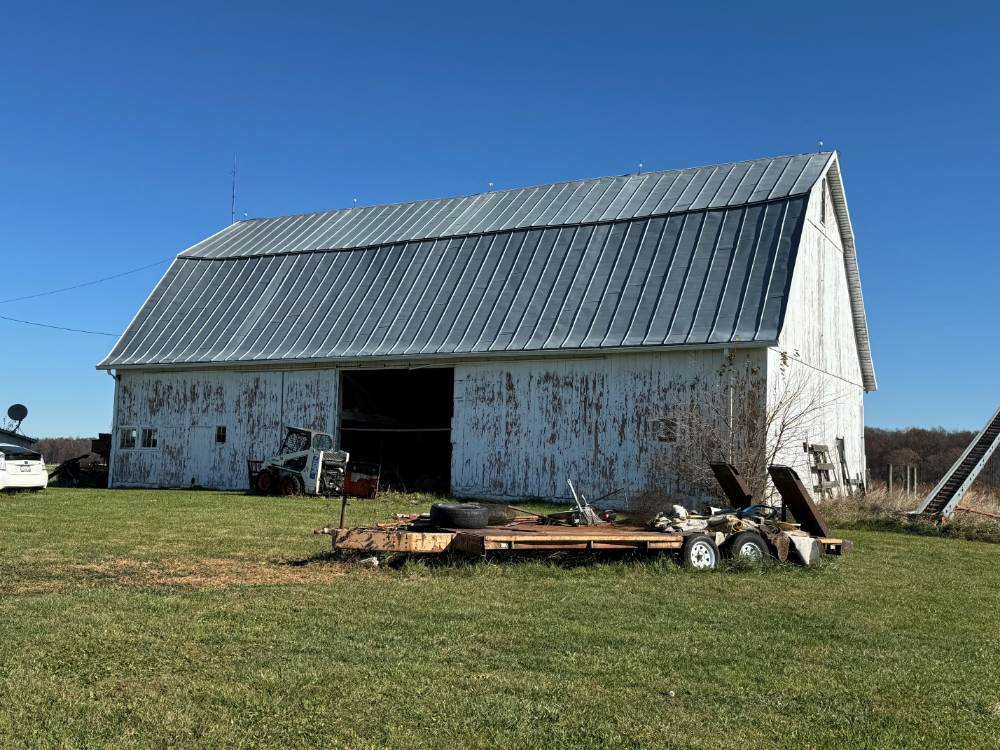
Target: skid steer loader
point(306, 464)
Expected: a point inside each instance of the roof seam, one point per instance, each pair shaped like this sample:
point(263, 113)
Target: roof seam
point(526, 228)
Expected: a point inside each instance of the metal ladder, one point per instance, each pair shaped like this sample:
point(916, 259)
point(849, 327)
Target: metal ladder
point(948, 493)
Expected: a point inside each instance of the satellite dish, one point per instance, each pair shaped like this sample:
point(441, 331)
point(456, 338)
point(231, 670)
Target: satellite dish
point(17, 413)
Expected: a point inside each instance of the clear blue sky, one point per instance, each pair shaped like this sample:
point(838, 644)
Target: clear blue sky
point(120, 122)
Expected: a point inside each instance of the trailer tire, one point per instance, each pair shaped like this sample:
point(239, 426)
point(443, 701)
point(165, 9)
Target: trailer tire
point(748, 546)
point(264, 482)
point(699, 552)
point(291, 486)
point(460, 515)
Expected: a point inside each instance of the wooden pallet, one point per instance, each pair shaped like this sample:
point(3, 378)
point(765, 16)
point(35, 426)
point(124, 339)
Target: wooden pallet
point(824, 471)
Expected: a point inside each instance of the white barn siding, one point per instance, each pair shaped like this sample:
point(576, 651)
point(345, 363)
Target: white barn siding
point(818, 346)
point(522, 429)
point(185, 408)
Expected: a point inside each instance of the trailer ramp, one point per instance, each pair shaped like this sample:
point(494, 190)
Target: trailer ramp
point(945, 497)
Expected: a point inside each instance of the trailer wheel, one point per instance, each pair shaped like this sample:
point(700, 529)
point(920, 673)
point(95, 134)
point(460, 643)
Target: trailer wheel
point(748, 546)
point(699, 551)
point(264, 482)
point(460, 515)
point(291, 486)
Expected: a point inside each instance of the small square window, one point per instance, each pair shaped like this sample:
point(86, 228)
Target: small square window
point(128, 438)
point(220, 434)
point(668, 430)
point(665, 429)
point(148, 438)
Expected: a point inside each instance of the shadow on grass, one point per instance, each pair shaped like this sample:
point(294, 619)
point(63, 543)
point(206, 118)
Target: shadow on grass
point(320, 558)
point(579, 561)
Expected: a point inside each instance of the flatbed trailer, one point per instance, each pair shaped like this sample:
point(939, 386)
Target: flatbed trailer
point(415, 536)
point(518, 535)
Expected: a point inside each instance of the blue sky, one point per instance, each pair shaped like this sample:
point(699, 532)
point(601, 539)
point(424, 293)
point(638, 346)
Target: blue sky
point(119, 124)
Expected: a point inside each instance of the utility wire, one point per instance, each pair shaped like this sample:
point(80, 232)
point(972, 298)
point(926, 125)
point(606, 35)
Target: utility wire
point(58, 328)
point(83, 284)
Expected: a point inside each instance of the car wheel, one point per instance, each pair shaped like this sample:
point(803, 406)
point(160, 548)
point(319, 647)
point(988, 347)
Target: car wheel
point(460, 515)
point(748, 546)
point(699, 552)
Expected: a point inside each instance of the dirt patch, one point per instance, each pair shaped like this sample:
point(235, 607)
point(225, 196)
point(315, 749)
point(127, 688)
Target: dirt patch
point(32, 587)
point(210, 573)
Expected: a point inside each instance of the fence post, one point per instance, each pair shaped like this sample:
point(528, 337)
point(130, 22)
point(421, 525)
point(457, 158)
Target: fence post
point(890, 479)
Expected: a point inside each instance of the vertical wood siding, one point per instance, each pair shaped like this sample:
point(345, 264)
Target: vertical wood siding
point(186, 408)
point(818, 337)
point(522, 429)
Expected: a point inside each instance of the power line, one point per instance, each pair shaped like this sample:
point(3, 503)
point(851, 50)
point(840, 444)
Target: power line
point(57, 328)
point(85, 283)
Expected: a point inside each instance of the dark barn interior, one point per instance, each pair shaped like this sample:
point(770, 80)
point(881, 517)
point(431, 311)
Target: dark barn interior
point(400, 419)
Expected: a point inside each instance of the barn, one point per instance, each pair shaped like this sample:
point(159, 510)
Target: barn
point(494, 345)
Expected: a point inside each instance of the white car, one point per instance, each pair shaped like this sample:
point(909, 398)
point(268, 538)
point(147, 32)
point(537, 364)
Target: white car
point(22, 469)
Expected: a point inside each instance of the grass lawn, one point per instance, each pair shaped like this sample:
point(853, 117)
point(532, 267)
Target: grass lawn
point(203, 619)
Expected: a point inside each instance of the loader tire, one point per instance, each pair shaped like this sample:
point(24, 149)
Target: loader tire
point(460, 515)
point(291, 486)
point(264, 483)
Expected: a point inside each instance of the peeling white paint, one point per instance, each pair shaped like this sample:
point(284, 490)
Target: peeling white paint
point(186, 408)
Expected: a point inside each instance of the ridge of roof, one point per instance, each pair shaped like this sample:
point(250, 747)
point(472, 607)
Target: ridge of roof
point(536, 186)
point(570, 202)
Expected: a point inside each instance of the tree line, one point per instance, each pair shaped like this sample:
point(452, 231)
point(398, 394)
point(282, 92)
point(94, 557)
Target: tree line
point(58, 449)
point(932, 451)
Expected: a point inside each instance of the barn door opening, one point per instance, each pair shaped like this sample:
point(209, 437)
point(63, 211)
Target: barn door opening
point(400, 419)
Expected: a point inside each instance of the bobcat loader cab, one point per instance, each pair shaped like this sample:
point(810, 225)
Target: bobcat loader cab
point(306, 464)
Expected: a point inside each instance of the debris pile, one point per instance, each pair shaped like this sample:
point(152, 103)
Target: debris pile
point(757, 528)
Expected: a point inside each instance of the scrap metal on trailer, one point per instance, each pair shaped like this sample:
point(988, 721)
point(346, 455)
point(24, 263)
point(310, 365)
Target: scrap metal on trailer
point(749, 530)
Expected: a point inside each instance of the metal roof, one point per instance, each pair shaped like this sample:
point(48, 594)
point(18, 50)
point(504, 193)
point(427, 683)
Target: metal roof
point(696, 256)
point(578, 202)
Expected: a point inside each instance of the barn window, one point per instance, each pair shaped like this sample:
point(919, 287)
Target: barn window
point(822, 204)
point(128, 438)
point(148, 437)
point(220, 434)
point(665, 429)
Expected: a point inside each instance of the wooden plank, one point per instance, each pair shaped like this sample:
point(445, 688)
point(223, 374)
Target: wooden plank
point(541, 537)
point(374, 540)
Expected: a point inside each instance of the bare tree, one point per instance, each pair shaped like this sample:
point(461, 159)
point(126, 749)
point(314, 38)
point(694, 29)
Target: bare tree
point(737, 416)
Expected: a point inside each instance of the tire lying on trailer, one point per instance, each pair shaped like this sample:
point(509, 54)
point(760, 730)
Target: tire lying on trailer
point(460, 515)
point(748, 546)
point(699, 551)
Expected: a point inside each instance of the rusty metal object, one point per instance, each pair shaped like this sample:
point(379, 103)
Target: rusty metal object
point(777, 539)
point(732, 484)
point(88, 470)
point(796, 498)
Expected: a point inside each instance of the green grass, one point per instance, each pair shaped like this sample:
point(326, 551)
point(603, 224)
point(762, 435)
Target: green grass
point(203, 619)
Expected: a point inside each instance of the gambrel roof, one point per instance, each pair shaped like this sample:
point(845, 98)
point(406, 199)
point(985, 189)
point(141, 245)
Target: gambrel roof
point(681, 257)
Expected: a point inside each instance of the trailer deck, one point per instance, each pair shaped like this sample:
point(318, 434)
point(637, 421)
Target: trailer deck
point(519, 535)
